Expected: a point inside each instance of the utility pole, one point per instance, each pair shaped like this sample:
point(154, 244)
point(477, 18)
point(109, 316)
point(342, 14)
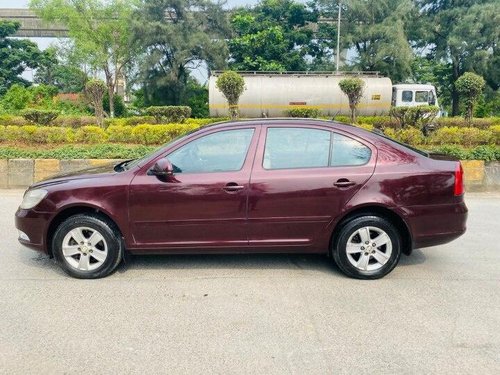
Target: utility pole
point(338, 38)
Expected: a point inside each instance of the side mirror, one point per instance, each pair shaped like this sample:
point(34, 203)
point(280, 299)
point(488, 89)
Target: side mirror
point(162, 169)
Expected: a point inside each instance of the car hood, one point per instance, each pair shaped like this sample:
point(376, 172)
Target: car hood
point(86, 173)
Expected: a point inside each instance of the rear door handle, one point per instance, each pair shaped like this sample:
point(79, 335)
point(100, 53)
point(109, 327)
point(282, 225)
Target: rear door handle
point(232, 187)
point(344, 182)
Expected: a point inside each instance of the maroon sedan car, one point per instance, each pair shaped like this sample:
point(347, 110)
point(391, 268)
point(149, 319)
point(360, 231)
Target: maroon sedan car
point(256, 186)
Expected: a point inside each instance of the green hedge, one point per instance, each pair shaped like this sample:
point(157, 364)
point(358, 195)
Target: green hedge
point(152, 134)
point(121, 151)
point(381, 122)
point(304, 112)
point(103, 151)
point(79, 121)
point(141, 134)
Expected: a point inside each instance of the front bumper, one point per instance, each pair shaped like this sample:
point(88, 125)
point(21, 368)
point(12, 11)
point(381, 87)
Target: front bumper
point(32, 227)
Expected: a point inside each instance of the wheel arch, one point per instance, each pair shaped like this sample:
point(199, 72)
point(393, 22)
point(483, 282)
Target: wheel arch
point(67, 212)
point(382, 211)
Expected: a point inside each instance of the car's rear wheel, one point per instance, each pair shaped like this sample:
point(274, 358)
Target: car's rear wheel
point(367, 247)
point(87, 246)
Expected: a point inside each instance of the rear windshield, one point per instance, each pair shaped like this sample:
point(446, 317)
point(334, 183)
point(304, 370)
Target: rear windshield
point(423, 153)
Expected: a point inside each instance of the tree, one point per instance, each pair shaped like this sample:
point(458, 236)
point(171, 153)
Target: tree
point(273, 35)
point(463, 34)
point(376, 31)
point(16, 55)
point(94, 91)
point(232, 85)
point(100, 30)
point(54, 71)
point(177, 37)
point(353, 88)
point(469, 86)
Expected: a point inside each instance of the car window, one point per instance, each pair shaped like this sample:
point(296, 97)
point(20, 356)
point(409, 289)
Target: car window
point(422, 96)
point(348, 152)
point(223, 151)
point(407, 96)
point(296, 148)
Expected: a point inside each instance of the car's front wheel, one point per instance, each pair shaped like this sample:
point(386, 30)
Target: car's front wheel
point(87, 246)
point(367, 247)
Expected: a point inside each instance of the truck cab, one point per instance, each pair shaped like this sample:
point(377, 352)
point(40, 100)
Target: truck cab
point(413, 94)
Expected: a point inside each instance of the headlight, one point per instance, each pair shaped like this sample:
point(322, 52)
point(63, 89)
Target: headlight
point(32, 198)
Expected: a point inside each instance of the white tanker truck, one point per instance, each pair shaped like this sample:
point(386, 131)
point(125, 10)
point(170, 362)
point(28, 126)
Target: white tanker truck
point(271, 94)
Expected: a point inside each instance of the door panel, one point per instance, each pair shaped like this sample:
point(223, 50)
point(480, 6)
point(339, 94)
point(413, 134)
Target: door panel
point(196, 209)
point(293, 207)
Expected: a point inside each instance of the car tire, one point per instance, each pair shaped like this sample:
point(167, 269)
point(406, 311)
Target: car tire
point(356, 251)
point(87, 246)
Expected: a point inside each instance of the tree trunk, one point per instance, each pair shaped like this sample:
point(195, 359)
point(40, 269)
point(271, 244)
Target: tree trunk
point(455, 109)
point(111, 93)
point(111, 90)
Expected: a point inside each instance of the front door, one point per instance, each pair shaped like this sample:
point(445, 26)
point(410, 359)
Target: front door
point(301, 180)
point(204, 205)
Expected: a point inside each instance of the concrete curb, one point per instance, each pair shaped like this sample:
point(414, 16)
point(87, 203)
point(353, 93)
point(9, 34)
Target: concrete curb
point(20, 173)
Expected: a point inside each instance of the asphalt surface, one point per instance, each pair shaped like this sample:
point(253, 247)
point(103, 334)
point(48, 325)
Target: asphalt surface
point(437, 312)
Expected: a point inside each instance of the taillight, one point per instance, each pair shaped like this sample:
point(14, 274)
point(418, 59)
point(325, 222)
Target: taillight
point(459, 180)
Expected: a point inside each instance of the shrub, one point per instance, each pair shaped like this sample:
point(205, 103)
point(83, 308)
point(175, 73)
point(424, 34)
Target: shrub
point(446, 135)
point(368, 127)
point(101, 151)
point(304, 112)
point(12, 120)
point(455, 151)
point(169, 113)
point(156, 134)
point(94, 91)
point(474, 136)
point(16, 98)
point(74, 121)
point(486, 153)
point(469, 87)
point(464, 136)
point(495, 131)
point(231, 85)
point(419, 116)
point(410, 135)
point(39, 116)
point(353, 88)
point(119, 133)
point(91, 134)
point(2, 134)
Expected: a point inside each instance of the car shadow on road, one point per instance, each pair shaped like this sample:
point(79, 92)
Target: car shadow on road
point(308, 262)
point(297, 262)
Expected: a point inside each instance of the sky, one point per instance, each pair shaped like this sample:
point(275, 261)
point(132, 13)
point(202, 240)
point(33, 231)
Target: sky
point(24, 3)
point(201, 74)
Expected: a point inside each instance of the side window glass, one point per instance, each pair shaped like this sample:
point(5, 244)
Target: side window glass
point(407, 96)
point(348, 152)
point(223, 151)
point(422, 96)
point(296, 148)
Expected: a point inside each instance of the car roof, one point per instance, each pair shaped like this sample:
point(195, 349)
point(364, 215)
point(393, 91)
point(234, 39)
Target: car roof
point(278, 121)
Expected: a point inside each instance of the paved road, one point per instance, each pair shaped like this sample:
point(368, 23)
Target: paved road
point(438, 312)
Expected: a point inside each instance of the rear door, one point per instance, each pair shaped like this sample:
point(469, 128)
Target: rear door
point(301, 179)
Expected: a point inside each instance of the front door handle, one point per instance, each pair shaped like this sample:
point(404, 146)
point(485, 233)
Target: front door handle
point(344, 182)
point(232, 187)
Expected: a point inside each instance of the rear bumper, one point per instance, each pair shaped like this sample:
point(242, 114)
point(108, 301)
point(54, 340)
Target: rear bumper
point(433, 225)
point(32, 228)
